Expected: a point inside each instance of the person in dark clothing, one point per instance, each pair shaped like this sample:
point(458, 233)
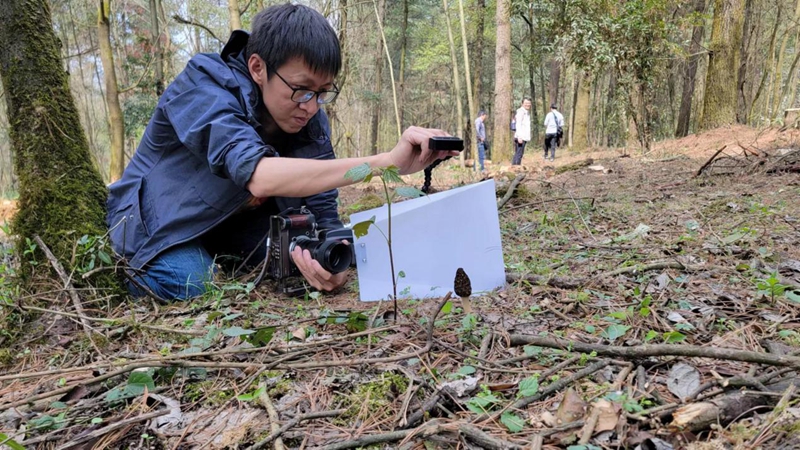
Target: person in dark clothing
point(238, 137)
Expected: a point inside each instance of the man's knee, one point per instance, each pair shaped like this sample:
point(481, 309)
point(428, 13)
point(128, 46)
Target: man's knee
point(178, 274)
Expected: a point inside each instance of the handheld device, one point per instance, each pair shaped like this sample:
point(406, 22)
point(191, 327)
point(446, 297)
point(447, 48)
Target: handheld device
point(445, 143)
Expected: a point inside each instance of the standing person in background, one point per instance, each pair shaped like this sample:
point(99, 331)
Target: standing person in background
point(480, 132)
point(523, 133)
point(554, 129)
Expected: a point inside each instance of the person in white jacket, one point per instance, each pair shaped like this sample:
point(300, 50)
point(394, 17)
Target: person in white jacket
point(523, 133)
point(553, 124)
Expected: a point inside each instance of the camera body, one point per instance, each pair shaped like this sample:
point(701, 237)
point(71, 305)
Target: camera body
point(298, 228)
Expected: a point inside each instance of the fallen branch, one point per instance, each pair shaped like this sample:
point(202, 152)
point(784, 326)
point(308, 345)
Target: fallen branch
point(426, 429)
point(646, 350)
point(554, 281)
point(76, 301)
point(292, 423)
point(484, 440)
point(546, 392)
point(112, 427)
point(511, 188)
point(710, 160)
point(266, 402)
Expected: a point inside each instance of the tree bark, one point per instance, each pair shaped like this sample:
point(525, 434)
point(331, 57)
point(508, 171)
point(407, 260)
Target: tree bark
point(402, 74)
point(779, 91)
point(116, 120)
point(742, 101)
point(695, 47)
point(158, 64)
point(376, 103)
point(767, 67)
point(234, 18)
point(531, 80)
point(582, 104)
point(719, 106)
point(555, 78)
point(61, 195)
point(502, 151)
point(480, 13)
point(456, 80)
point(471, 131)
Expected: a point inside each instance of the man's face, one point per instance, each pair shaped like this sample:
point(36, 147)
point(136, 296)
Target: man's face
point(286, 114)
point(526, 104)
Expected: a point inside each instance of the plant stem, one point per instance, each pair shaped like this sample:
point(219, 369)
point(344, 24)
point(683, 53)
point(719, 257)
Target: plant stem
point(389, 241)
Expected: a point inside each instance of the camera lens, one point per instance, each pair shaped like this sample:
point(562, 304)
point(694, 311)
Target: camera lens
point(334, 256)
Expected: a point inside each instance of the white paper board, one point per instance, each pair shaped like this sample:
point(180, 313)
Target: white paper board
point(432, 237)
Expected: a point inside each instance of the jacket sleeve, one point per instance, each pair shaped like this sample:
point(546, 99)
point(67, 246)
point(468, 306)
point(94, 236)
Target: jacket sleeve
point(211, 122)
point(325, 205)
point(518, 120)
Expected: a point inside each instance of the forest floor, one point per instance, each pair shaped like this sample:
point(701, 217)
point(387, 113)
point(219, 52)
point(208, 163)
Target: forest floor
point(653, 301)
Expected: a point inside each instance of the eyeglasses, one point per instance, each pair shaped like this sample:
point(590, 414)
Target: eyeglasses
point(305, 95)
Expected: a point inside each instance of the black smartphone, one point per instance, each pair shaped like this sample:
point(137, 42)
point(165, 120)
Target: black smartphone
point(445, 143)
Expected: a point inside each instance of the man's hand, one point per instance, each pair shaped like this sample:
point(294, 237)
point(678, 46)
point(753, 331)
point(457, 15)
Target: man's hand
point(411, 154)
point(313, 272)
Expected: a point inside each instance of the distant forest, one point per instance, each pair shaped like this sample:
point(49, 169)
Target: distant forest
point(623, 73)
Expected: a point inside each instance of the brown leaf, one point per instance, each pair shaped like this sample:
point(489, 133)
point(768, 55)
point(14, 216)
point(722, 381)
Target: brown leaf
point(572, 407)
point(608, 416)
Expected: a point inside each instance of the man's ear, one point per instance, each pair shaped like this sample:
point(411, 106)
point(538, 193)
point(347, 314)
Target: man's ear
point(258, 69)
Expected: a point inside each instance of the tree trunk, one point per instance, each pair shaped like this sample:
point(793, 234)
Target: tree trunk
point(502, 151)
point(158, 64)
point(531, 81)
point(115, 117)
point(719, 107)
point(480, 13)
point(742, 102)
point(766, 69)
point(581, 128)
point(690, 71)
point(61, 195)
point(234, 18)
point(402, 74)
point(555, 78)
point(376, 103)
point(456, 81)
point(779, 93)
point(472, 132)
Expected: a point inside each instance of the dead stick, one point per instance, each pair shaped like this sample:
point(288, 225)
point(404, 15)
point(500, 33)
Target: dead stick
point(701, 169)
point(310, 416)
point(641, 351)
point(426, 429)
point(113, 427)
point(550, 389)
point(511, 188)
point(484, 440)
point(76, 301)
point(266, 402)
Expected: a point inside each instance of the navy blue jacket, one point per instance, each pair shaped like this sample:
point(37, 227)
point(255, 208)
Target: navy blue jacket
point(197, 155)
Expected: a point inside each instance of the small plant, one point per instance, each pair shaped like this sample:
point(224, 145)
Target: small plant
point(770, 287)
point(391, 174)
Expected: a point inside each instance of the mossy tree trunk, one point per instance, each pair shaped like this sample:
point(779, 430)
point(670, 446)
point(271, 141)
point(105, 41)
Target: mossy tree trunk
point(456, 79)
point(503, 150)
point(61, 195)
point(719, 107)
point(582, 105)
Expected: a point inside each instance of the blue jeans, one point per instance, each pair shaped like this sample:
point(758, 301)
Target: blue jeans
point(185, 271)
point(519, 150)
point(481, 153)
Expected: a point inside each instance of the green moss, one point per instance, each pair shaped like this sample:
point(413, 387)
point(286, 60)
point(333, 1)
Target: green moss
point(369, 201)
point(372, 400)
point(6, 357)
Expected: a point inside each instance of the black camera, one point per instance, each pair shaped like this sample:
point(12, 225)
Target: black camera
point(298, 228)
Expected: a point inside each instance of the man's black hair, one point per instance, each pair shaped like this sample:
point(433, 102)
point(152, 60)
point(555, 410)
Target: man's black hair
point(283, 32)
point(481, 112)
point(553, 106)
point(526, 98)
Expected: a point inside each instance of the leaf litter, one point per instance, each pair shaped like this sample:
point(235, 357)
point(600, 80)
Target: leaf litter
point(642, 311)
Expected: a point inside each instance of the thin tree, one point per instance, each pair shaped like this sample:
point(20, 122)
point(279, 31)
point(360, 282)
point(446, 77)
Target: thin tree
point(234, 17)
point(502, 89)
point(61, 195)
point(719, 105)
point(456, 80)
point(156, 45)
point(116, 120)
point(480, 13)
point(472, 132)
point(380, 10)
point(690, 71)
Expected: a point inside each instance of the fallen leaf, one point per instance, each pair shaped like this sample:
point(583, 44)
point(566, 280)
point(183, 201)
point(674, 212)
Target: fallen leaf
point(683, 380)
point(299, 334)
point(608, 416)
point(572, 408)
